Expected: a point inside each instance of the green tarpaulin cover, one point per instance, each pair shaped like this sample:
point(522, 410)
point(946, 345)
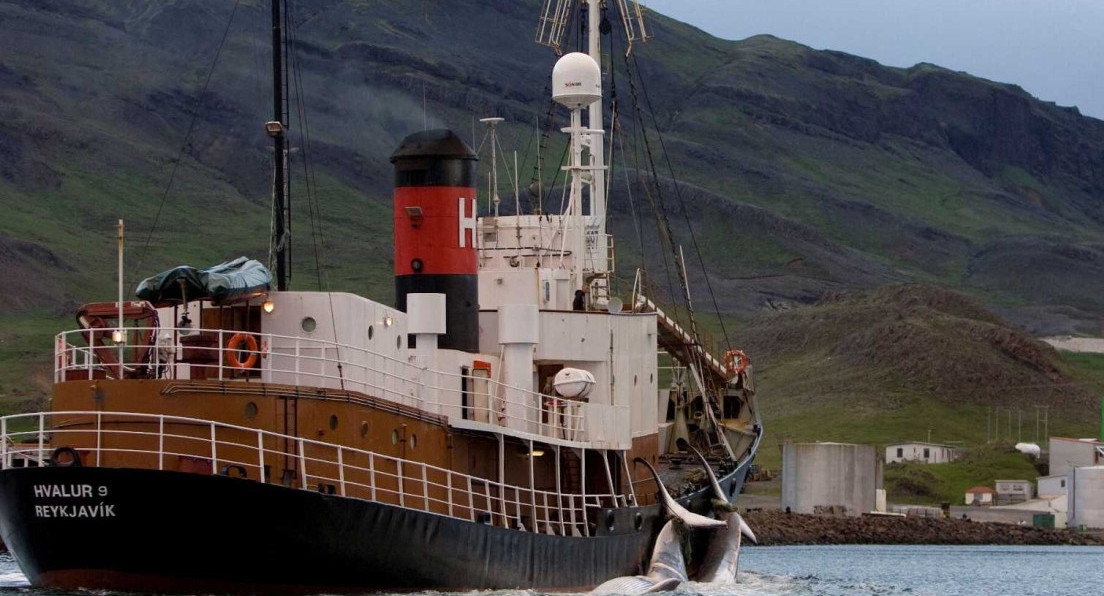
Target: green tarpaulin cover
point(221, 283)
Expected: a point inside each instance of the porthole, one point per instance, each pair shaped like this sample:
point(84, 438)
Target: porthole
point(250, 411)
point(308, 324)
point(364, 429)
point(371, 332)
point(638, 521)
point(395, 437)
point(413, 441)
point(333, 421)
point(651, 378)
point(634, 380)
point(610, 518)
point(398, 343)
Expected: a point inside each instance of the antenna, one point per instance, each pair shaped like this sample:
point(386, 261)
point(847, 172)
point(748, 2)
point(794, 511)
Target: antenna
point(492, 123)
point(577, 84)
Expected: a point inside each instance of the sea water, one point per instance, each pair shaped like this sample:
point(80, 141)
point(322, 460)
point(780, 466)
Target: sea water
point(858, 570)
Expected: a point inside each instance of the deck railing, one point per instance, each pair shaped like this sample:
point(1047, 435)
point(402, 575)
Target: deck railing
point(175, 354)
point(161, 442)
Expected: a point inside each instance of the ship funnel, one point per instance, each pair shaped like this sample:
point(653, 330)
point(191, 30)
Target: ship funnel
point(435, 230)
point(576, 80)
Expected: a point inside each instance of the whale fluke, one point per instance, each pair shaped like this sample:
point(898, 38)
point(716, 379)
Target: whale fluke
point(689, 518)
point(718, 492)
point(722, 557)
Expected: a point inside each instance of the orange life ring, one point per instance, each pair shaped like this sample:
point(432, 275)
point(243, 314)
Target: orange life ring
point(235, 345)
point(731, 364)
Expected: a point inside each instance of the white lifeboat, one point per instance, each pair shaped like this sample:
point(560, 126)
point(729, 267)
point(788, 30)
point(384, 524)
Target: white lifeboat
point(573, 382)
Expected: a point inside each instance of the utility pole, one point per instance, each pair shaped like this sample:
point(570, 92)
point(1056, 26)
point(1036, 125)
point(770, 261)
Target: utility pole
point(1009, 424)
point(988, 425)
point(1019, 425)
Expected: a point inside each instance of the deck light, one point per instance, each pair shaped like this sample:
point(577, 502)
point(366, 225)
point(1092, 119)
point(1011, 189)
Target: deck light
point(268, 306)
point(274, 128)
point(388, 321)
point(118, 336)
point(536, 452)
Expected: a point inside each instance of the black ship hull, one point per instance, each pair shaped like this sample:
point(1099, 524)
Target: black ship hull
point(159, 531)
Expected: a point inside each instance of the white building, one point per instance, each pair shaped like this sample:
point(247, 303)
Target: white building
point(918, 451)
point(1053, 485)
point(1067, 454)
point(830, 477)
point(1014, 491)
point(1086, 497)
point(979, 495)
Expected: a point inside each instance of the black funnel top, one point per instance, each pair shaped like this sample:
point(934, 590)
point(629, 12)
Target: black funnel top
point(439, 143)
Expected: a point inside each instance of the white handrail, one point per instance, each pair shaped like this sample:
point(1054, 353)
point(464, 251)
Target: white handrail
point(420, 481)
point(568, 422)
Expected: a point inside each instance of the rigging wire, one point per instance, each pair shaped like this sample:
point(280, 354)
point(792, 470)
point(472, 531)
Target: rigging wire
point(311, 181)
point(187, 136)
point(308, 165)
point(663, 224)
point(617, 132)
point(685, 213)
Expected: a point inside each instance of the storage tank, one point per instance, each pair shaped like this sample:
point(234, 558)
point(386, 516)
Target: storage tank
point(830, 478)
point(1086, 497)
point(435, 230)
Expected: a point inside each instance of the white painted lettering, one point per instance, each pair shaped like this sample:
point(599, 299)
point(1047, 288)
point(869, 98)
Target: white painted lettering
point(467, 224)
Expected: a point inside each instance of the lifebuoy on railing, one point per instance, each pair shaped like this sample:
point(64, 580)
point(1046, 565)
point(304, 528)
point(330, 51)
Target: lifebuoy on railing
point(64, 457)
point(735, 361)
point(236, 345)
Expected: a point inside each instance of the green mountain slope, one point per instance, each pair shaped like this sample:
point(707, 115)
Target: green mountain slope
point(802, 172)
point(898, 362)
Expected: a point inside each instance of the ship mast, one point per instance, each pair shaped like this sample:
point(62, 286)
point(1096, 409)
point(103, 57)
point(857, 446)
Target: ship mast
point(596, 225)
point(276, 129)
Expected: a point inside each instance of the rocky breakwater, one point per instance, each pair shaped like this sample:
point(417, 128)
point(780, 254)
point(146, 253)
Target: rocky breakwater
point(775, 528)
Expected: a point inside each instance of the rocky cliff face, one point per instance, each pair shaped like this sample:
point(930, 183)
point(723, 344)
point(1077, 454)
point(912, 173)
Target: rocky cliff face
point(803, 171)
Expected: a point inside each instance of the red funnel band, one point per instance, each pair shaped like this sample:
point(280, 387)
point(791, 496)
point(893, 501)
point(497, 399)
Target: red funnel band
point(435, 225)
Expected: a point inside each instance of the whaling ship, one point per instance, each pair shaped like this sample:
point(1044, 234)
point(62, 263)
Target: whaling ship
point(219, 434)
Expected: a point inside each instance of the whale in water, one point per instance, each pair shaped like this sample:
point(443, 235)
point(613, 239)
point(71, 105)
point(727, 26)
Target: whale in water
point(667, 568)
point(722, 556)
point(666, 571)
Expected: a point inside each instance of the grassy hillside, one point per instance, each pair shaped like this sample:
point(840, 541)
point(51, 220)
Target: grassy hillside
point(894, 363)
point(933, 484)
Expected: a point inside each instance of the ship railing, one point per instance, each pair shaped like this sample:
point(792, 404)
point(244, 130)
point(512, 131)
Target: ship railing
point(600, 255)
point(164, 442)
point(304, 361)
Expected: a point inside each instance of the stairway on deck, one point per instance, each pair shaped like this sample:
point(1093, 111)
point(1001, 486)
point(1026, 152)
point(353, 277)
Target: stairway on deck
point(683, 347)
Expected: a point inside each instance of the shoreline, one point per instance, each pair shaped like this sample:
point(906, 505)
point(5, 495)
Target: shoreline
point(776, 528)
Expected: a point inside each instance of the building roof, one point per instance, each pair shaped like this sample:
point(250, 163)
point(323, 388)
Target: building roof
point(920, 443)
point(980, 489)
point(1090, 441)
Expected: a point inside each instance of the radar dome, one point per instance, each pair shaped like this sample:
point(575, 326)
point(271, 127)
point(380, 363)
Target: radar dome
point(576, 80)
